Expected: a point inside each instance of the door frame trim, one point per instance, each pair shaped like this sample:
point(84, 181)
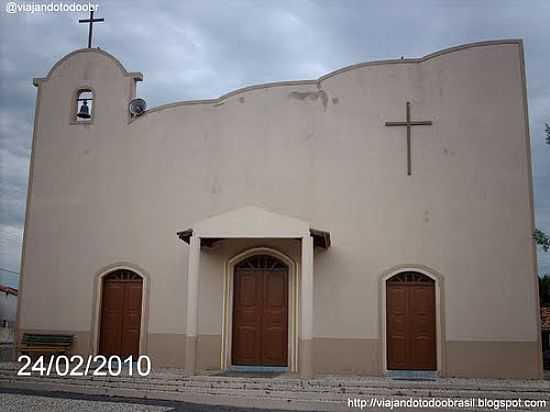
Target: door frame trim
point(439, 313)
point(293, 305)
point(97, 307)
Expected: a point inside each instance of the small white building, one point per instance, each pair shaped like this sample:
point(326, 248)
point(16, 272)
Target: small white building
point(8, 310)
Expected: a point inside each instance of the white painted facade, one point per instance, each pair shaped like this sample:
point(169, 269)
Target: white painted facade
point(260, 167)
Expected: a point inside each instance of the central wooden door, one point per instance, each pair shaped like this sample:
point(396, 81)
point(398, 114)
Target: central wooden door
point(121, 314)
point(410, 311)
point(260, 312)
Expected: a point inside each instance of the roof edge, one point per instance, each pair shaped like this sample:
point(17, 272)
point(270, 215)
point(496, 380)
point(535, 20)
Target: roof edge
point(137, 76)
point(9, 290)
point(321, 238)
point(425, 58)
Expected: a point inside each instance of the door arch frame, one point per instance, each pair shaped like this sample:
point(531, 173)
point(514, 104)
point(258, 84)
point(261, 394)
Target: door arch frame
point(293, 304)
point(439, 313)
point(97, 307)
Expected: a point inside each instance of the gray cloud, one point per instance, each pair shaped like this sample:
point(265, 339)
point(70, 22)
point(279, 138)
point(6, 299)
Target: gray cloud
point(202, 49)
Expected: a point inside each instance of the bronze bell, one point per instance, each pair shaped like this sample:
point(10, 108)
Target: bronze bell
point(84, 112)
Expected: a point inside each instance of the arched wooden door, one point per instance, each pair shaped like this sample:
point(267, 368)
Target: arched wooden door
point(121, 313)
point(410, 322)
point(260, 312)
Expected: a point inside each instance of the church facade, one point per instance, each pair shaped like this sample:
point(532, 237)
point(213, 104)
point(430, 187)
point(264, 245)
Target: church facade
point(376, 220)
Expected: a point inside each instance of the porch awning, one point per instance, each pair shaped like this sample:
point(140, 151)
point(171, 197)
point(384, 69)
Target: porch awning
point(253, 222)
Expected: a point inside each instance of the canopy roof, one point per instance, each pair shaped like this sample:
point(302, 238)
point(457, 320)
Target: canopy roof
point(253, 222)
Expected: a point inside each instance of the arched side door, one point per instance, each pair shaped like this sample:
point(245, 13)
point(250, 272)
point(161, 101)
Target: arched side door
point(410, 322)
point(120, 326)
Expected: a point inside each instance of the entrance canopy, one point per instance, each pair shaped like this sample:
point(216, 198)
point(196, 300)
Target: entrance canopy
point(253, 222)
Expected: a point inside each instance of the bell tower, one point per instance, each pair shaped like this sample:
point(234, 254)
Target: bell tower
point(81, 113)
point(88, 87)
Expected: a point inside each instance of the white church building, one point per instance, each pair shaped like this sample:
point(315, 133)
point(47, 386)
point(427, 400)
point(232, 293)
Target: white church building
point(377, 219)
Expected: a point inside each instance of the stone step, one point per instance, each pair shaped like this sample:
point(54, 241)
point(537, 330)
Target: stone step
point(272, 385)
point(284, 392)
point(11, 369)
point(266, 401)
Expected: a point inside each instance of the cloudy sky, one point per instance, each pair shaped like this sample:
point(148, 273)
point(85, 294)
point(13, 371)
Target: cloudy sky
point(202, 49)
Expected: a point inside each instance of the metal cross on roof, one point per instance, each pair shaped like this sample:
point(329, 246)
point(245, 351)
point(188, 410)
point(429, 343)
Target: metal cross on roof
point(91, 21)
point(408, 123)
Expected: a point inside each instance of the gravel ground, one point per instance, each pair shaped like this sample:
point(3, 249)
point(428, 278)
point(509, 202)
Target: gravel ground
point(18, 403)
point(15, 400)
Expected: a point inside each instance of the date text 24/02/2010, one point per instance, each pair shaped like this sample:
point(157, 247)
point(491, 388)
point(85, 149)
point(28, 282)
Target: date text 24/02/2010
point(76, 365)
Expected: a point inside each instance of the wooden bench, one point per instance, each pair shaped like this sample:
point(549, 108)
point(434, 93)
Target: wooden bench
point(42, 343)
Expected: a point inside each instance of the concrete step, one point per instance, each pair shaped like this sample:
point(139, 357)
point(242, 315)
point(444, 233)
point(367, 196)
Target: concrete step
point(316, 385)
point(323, 393)
point(267, 401)
point(303, 391)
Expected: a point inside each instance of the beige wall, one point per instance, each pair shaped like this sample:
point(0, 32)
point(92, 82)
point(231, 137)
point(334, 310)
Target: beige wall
point(117, 191)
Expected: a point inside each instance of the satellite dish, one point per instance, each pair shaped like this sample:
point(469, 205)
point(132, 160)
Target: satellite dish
point(137, 107)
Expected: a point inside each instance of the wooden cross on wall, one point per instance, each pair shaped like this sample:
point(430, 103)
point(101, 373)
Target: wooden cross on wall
point(408, 123)
point(91, 21)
